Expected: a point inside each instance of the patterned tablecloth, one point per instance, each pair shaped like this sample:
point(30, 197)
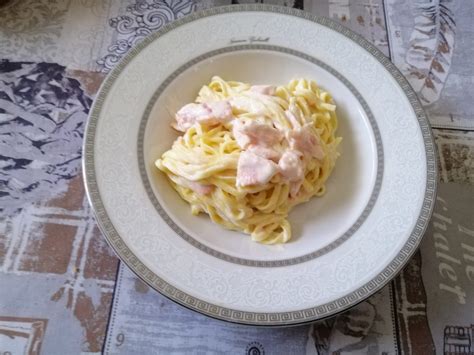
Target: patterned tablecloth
point(62, 290)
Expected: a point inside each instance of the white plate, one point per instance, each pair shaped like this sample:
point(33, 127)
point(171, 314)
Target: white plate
point(347, 244)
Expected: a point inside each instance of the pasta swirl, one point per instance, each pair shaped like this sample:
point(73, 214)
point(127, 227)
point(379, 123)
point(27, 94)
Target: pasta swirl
point(250, 153)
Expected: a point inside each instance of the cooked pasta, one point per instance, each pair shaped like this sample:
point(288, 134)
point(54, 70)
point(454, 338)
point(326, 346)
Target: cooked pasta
point(248, 154)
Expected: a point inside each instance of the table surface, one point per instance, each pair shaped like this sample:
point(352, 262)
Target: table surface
point(63, 291)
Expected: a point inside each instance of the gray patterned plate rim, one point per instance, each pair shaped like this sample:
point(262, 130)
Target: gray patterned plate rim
point(256, 318)
point(244, 261)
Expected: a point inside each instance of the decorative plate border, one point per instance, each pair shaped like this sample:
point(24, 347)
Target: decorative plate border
point(256, 318)
point(233, 259)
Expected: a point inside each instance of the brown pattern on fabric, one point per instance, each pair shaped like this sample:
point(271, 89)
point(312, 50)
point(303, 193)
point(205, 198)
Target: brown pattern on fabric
point(410, 299)
point(365, 328)
point(47, 230)
point(93, 318)
point(64, 241)
point(90, 81)
point(88, 288)
point(43, 114)
point(21, 335)
point(430, 48)
point(431, 43)
point(456, 154)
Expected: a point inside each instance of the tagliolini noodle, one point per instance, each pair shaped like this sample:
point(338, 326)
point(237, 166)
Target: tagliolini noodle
point(203, 164)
